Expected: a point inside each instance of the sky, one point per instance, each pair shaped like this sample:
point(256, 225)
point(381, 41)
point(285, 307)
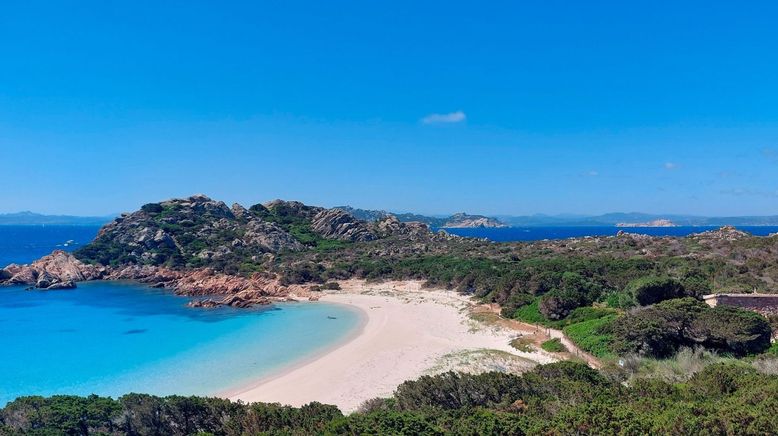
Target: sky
point(506, 108)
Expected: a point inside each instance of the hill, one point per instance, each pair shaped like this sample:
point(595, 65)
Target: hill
point(458, 220)
point(30, 218)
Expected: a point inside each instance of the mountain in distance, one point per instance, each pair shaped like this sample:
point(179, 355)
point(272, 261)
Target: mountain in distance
point(457, 220)
point(28, 218)
point(618, 219)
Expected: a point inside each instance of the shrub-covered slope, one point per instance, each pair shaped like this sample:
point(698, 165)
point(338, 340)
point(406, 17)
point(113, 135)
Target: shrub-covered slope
point(562, 398)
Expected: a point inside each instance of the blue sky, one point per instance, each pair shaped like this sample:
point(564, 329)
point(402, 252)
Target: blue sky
point(433, 107)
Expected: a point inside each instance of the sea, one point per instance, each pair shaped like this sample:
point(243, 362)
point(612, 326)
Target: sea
point(512, 234)
point(112, 338)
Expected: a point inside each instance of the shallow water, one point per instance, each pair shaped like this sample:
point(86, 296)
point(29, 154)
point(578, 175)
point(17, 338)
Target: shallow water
point(112, 338)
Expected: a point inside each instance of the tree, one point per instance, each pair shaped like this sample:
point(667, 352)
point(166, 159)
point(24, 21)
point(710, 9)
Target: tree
point(651, 290)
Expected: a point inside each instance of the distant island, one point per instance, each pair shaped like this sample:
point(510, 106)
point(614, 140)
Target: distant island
point(457, 220)
point(28, 218)
point(655, 223)
point(634, 219)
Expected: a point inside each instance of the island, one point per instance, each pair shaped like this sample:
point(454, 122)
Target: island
point(654, 223)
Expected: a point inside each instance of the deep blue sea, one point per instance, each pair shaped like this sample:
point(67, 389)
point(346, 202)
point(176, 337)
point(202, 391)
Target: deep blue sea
point(23, 244)
point(111, 338)
point(507, 234)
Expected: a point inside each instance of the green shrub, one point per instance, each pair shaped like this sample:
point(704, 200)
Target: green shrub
point(557, 304)
point(530, 313)
point(731, 329)
point(660, 330)
point(652, 290)
point(553, 346)
point(152, 208)
point(331, 286)
point(592, 336)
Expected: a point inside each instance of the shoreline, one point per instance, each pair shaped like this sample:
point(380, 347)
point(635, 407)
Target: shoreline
point(285, 369)
point(407, 332)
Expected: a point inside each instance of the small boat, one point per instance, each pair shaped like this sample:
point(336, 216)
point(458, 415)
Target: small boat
point(331, 317)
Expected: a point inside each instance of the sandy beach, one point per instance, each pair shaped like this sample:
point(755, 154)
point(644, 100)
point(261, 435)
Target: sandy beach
point(408, 332)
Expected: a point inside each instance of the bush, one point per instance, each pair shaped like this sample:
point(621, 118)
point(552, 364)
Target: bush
point(659, 331)
point(152, 208)
point(553, 346)
point(331, 286)
point(530, 313)
point(732, 330)
point(592, 336)
point(652, 290)
point(557, 304)
point(560, 398)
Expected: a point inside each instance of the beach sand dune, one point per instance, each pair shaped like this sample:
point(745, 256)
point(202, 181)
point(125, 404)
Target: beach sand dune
point(407, 332)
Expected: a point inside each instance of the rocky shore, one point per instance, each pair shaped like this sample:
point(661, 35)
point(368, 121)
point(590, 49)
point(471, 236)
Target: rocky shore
point(61, 270)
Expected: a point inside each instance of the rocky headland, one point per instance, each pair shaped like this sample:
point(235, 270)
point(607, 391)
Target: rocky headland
point(203, 248)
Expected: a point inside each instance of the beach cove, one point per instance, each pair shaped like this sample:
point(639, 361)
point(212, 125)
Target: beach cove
point(409, 332)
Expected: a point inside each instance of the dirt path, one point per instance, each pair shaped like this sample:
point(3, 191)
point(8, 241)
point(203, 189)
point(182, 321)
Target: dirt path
point(538, 334)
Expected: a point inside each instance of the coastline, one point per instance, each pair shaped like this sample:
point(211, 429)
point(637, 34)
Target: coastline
point(407, 332)
point(253, 383)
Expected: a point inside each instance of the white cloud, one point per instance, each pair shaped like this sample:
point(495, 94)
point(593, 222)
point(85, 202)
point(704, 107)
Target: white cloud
point(453, 117)
point(671, 166)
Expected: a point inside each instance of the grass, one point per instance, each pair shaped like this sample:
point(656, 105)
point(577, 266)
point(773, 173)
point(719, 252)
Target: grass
point(531, 313)
point(553, 346)
point(679, 368)
point(587, 336)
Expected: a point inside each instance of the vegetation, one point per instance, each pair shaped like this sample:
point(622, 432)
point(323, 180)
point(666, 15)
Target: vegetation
point(561, 398)
point(624, 296)
point(592, 336)
point(651, 290)
point(523, 344)
point(660, 330)
point(553, 346)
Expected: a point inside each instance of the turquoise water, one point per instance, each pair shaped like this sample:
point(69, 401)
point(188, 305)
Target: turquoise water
point(112, 338)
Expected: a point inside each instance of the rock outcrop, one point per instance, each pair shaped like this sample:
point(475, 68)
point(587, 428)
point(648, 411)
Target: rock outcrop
point(340, 225)
point(725, 233)
point(58, 270)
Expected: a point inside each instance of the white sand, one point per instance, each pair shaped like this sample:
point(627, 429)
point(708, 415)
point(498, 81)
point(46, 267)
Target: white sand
point(408, 332)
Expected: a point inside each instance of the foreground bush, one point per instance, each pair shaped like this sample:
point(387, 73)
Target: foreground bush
point(561, 398)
